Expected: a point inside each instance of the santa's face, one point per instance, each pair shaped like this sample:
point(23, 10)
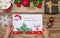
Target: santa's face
point(5, 4)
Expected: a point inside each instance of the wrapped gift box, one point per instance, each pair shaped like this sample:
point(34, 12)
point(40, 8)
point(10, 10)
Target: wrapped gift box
point(51, 6)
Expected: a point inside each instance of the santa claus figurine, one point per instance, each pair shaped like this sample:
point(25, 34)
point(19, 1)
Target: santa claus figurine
point(6, 5)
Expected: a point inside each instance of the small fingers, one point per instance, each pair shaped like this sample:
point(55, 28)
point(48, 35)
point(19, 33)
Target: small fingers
point(11, 27)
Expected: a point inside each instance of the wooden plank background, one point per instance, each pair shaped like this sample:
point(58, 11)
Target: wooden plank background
point(55, 30)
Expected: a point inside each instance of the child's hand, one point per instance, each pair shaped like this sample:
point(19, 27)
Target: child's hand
point(8, 31)
point(46, 33)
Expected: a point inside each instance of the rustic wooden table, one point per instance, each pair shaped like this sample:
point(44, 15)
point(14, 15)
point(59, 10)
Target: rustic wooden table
point(55, 30)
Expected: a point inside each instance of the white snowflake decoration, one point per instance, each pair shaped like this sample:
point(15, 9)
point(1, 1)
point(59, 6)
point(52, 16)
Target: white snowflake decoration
point(5, 20)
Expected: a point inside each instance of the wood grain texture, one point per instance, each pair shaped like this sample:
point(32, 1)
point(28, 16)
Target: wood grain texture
point(55, 30)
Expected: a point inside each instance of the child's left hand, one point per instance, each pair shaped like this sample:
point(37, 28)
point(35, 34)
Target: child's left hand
point(8, 31)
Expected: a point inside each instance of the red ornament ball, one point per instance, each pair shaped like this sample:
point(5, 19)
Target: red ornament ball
point(39, 5)
point(26, 3)
point(18, 4)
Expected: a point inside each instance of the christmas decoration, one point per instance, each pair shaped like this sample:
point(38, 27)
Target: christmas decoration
point(40, 1)
point(27, 24)
point(6, 5)
point(31, 8)
point(51, 7)
point(4, 20)
point(31, 0)
point(18, 4)
point(24, 28)
point(35, 2)
point(39, 5)
point(51, 19)
point(8, 9)
point(16, 1)
point(49, 24)
point(20, 1)
point(37, 27)
point(26, 3)
point(17, 15)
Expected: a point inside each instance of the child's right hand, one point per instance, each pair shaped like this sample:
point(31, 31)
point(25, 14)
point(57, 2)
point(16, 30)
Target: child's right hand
point(46, 33)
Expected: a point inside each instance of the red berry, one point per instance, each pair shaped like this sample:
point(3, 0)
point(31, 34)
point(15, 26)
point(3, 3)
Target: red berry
point(18, 4)
point(39, 5)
